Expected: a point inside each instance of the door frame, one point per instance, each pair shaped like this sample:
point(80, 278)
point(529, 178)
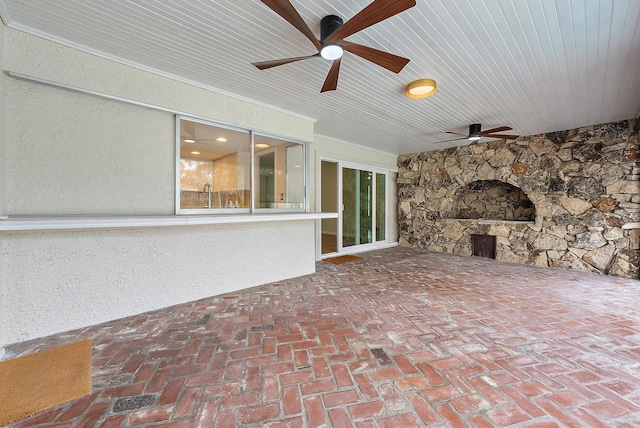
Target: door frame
point(362, 167)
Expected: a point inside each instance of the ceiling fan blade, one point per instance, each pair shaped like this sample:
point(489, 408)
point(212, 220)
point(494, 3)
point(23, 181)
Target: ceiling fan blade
point(376, 12)
point(502, 136)
point(276, 62)
point(492, 130)
point(285, 9)
point(457, 133)
point(455, 139)
point(331, 82)
point(386, 60)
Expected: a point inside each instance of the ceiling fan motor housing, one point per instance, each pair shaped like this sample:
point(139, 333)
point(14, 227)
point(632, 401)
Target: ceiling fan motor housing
point(474, 129)
point(328, 25)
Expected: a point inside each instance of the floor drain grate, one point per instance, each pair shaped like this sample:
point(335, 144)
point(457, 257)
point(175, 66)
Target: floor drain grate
point(266, 327)
point(381, 356)
point(131, 403)
point(203, 320)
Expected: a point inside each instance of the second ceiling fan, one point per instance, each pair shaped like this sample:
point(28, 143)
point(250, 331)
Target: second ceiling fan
point(333, 32)
point(475, 133)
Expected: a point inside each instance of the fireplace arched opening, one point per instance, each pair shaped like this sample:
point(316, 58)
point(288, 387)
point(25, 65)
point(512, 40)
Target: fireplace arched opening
point(492, 200)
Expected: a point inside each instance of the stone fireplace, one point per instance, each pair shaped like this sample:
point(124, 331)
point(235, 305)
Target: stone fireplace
point(567, 199)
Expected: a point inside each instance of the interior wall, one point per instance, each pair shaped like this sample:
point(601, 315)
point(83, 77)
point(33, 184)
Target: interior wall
point(71, 153)
point(583, 183)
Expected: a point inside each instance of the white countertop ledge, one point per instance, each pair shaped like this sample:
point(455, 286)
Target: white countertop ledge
point(26, 223)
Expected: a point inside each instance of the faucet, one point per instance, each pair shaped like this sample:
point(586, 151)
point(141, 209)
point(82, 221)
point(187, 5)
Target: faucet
point(207, 188)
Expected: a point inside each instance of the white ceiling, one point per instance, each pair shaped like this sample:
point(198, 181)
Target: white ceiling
point(535, 65)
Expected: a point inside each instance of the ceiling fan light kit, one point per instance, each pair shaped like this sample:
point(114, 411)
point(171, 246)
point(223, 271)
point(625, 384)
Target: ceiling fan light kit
point(422, 88)
point(331, 52)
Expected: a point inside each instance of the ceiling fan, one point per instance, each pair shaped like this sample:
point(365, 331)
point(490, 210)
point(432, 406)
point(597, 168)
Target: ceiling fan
point(332, 45)
point(475, 134)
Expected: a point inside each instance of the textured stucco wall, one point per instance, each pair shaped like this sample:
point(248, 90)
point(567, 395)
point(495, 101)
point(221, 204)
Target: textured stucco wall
point(68, 279)
point(36, 57)
point(71, 153)
point(3, 180)
point(323, 147)
point(3, 173)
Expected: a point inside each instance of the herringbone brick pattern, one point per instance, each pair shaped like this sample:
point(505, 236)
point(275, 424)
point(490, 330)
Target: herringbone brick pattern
point(402, 338)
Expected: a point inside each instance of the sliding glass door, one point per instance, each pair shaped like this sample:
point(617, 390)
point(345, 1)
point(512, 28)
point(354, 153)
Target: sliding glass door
point(360, 196)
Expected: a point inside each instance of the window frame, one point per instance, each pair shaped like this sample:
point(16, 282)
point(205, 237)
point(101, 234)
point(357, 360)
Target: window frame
point(252, 189)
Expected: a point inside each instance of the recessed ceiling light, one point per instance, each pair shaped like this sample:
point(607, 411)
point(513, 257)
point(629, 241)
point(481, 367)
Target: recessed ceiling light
point(195, 153)
point(221, 139)
point(262, 146)
point(422, 88)
point(189, 141)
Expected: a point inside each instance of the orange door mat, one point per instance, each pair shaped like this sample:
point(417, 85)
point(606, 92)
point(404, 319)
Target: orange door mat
point(343, 259)
point(39, 381)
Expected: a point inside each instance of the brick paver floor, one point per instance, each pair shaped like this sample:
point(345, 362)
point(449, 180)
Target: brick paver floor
point(402, 338)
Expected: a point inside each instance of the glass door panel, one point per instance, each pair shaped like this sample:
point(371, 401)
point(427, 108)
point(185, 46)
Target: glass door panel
point(329, 204)
point(381, 203)
point(357, 202)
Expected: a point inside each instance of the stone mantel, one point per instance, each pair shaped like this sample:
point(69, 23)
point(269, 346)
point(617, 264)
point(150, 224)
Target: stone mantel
point(491, 221)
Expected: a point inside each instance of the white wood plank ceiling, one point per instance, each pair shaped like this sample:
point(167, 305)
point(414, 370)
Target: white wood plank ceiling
point(536, 65)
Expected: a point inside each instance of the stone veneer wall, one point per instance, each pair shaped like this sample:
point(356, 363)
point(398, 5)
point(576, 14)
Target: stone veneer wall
point(583, 183)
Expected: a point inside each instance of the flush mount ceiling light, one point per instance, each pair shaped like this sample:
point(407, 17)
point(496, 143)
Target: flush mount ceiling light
point(221, 140)
point(422, 88)
point(195, 153)
point(190, 141)
point(262, 146)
